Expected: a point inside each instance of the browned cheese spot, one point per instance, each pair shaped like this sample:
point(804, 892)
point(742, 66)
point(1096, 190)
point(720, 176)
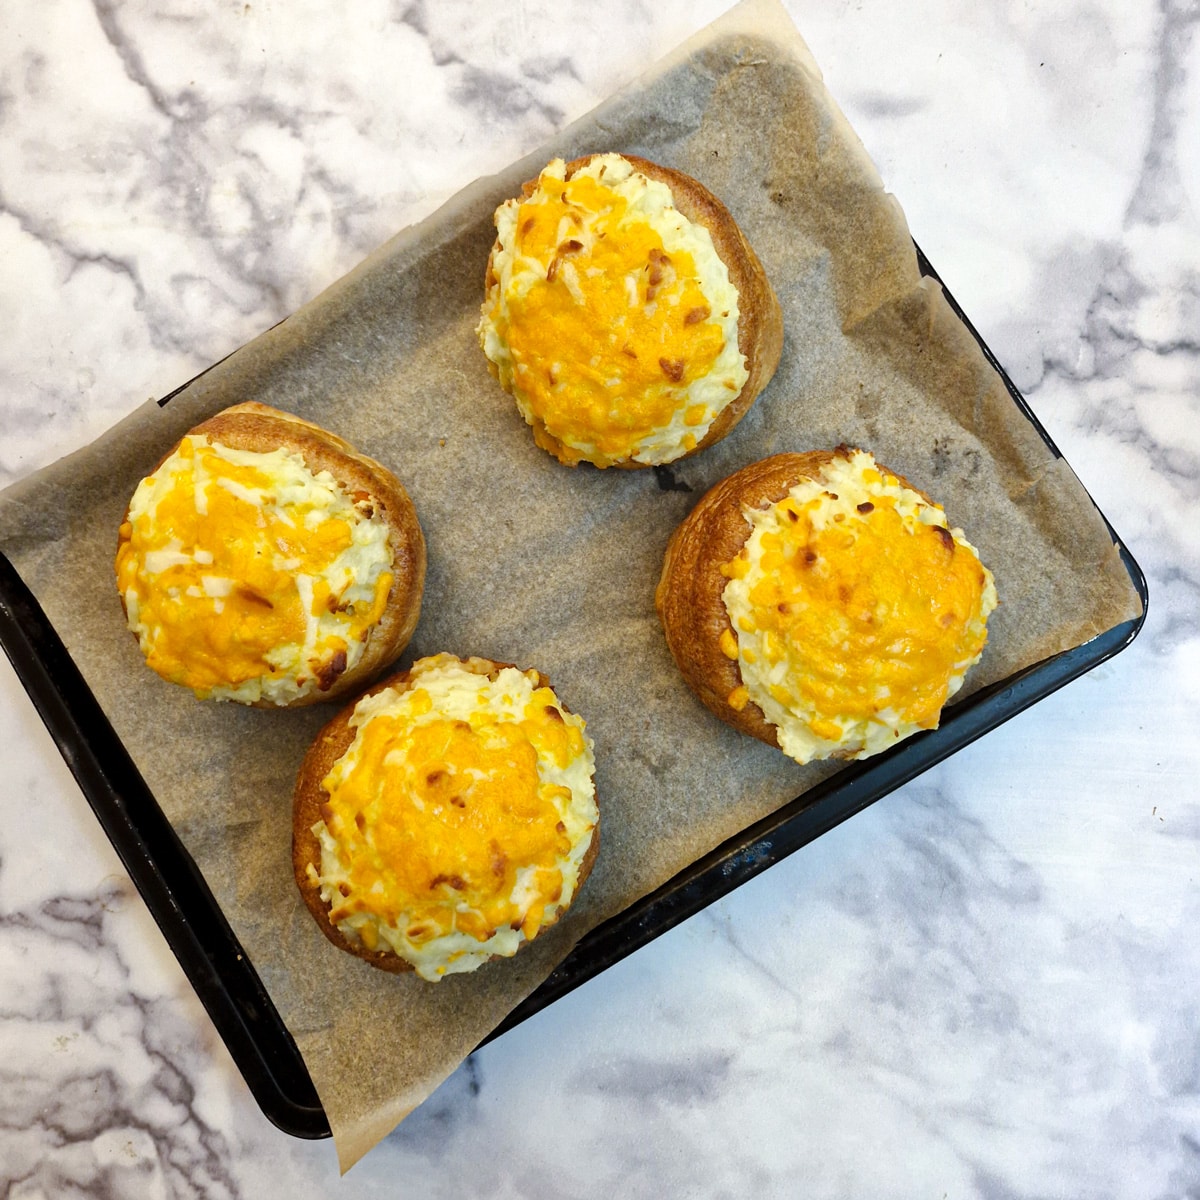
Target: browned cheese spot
point(695, 315)
point(865, 507)
point(499, 860)
point(568, 247)
point(656, 273)
point(252, 597)
point(672, 368)
point(329, 673)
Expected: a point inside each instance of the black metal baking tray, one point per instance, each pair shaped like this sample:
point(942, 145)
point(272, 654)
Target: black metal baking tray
point(209, 952)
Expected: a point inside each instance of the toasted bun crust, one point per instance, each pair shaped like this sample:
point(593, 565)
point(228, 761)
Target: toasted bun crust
point(760, 319)
point(330, 744)
point(260, 428)
point(689, 593)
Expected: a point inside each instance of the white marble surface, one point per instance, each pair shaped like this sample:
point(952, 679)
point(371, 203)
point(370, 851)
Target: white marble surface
point(988, 984)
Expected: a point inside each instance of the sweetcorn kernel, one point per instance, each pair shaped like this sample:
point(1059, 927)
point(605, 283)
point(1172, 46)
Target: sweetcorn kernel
point(728, 644)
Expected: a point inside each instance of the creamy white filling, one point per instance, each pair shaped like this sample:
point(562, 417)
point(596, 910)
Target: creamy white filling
point(651, 201)
point(459, 694)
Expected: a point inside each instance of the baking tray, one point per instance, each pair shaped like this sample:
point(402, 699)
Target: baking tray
point(212, 958)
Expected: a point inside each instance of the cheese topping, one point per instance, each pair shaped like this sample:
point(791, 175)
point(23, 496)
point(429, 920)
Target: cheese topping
point(246, 576)
point(857, 612)
point(457, 820)
point(614, 321)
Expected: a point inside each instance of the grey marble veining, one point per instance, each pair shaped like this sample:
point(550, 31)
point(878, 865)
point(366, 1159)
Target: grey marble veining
point(97, 1080)
point(985, 986)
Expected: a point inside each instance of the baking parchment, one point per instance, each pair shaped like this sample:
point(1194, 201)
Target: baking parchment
point(546, 566)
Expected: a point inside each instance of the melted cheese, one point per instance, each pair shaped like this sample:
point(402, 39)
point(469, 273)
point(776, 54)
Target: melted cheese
point(857, 612)
point(246, 576)
point(457, 820)
point(614, 322)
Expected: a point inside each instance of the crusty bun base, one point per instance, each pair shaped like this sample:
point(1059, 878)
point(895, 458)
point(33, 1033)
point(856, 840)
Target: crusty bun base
point(257, 428)
point(691, 586)
point(427, 862)
point(759, 322)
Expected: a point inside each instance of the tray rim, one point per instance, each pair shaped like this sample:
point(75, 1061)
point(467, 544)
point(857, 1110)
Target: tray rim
point(222, 975)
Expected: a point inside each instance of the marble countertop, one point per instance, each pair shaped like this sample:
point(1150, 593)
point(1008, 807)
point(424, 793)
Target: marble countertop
point(987, 984)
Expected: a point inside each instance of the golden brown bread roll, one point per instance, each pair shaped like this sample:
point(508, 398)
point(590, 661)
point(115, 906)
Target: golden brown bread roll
point(821, 604)
point(626, 313)
point(266, 561)
point(447, 817)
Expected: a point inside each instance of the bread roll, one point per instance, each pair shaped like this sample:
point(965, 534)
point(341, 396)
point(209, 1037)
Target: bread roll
point(626, 313)
point(267, 562)
point(446, 818)
point(820, 603)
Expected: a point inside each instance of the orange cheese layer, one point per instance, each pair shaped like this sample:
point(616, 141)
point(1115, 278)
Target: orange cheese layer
point(859, 613)
point(451, 819)
point(454, 819)
point(869, 614)
point(628, 363)
point(240, 559)
point(612, 334)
